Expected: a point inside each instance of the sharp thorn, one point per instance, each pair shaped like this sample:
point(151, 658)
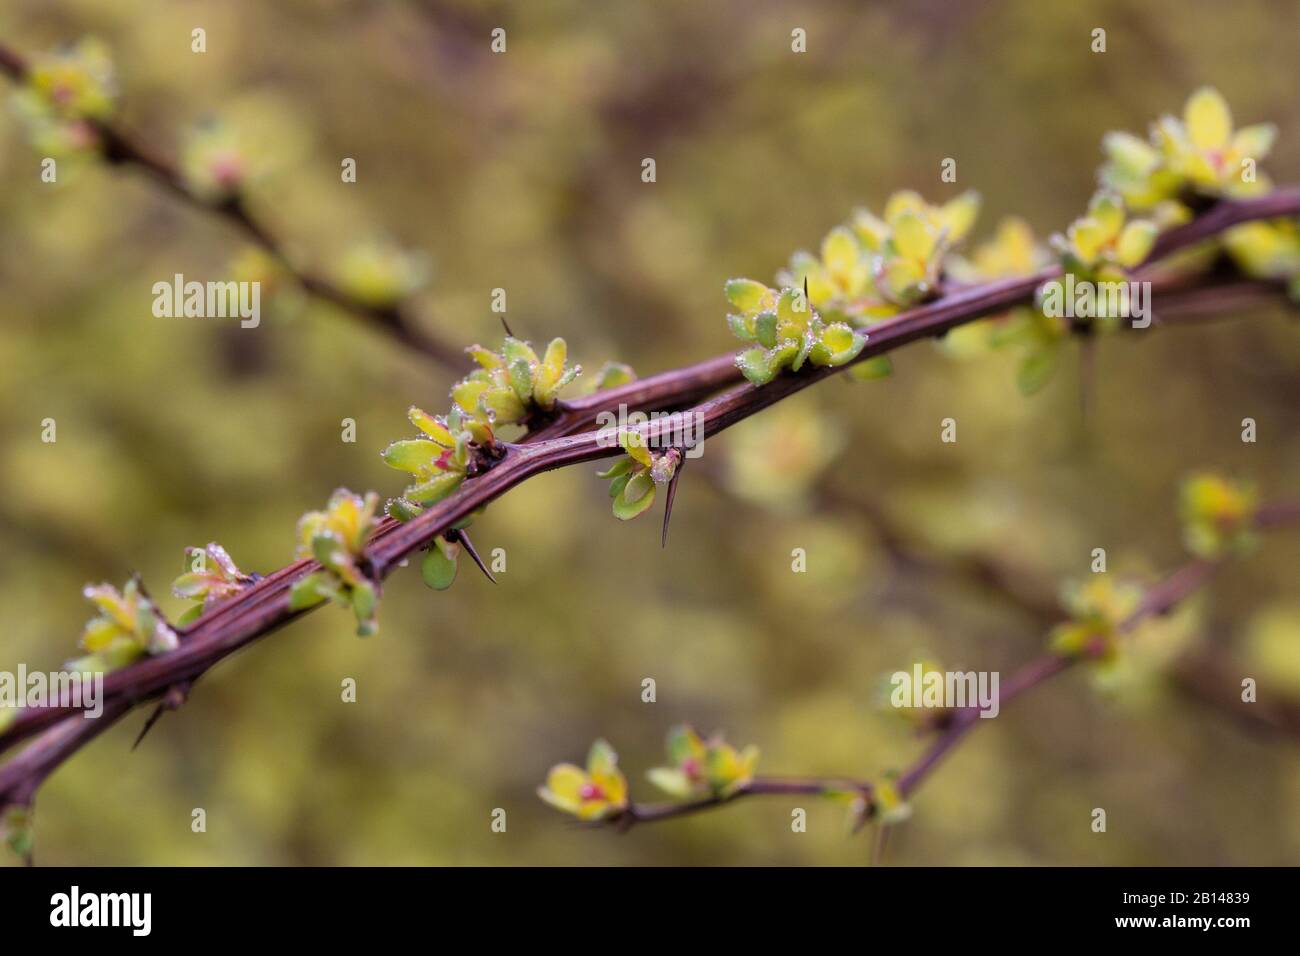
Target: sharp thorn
point(148, 724)
point(463, 538)
point(668, 502)
point(506, 325)
point(144, 591)
point(172, 699)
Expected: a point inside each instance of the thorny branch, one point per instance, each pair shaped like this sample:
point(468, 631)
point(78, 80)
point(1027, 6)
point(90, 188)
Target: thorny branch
point(563, 440)
point(120, 148)
point(264, 606)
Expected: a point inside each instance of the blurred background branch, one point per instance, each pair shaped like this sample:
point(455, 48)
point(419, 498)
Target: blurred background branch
point(953, 725)
point(120, 148)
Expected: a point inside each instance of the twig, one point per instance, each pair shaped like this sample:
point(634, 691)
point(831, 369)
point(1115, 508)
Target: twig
point(119, 148)
point(1205, 676)
point(758, 787)
point(1158, 600)
point(29, 769)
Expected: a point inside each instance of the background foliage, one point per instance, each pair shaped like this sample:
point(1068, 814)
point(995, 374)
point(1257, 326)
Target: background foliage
point(522, 171)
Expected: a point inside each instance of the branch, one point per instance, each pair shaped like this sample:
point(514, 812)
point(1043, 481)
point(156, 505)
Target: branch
point(30, 768)
point(119, 148)
point(1157, 601)
point(1207, 676)
point(957, 723)
point(264, 607)
point(758, 787)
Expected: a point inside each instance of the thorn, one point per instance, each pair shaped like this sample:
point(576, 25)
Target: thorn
point(506, 325)
point(463, 538)
point(148, 725)
point(144, 591)
point(672, 494)
point(172, 699)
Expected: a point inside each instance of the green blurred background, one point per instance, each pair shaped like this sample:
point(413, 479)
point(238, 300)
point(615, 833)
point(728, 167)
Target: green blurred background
point(522, 171)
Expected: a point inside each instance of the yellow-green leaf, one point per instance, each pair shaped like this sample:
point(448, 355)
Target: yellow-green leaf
point(438, 569)
point(1135, 242)
point(1107, 211)
point(747, 294)
point(635, 498)
point(430, 426)
point(840, 251)
point(466, 394)
point(913, 237)
point(634, 444)
point(1254, 142)
point(755, 366)
point(959, 215)
point(1208, 120)
point(412, 455)
point(436, 488)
